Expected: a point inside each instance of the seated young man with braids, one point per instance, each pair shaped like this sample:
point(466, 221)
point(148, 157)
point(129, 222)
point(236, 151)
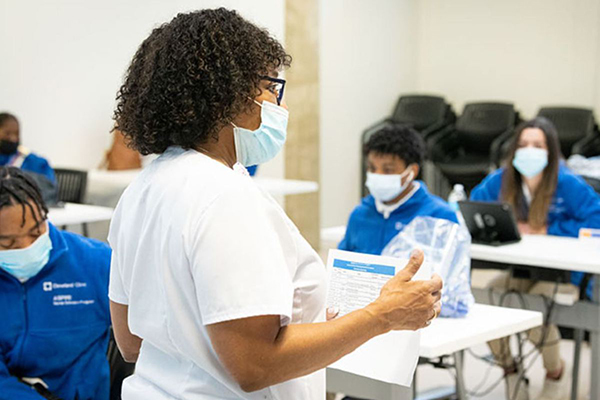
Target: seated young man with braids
point(53, 302)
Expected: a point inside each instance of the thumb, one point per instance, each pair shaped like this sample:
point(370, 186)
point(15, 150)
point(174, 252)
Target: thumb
point(414, 263)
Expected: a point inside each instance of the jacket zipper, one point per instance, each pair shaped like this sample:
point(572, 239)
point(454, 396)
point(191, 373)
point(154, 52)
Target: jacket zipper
point(383, 231)
point(24, 295)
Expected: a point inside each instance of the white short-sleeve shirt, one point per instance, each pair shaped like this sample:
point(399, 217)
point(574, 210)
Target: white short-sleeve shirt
point(196, 243)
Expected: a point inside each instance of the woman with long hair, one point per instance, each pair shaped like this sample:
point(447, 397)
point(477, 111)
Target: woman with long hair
point(547, 199)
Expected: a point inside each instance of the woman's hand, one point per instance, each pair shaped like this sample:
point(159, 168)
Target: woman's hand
point(332, 312)
point(258, 352)
point(526, 229)
point(405, 304)
point(539, 231)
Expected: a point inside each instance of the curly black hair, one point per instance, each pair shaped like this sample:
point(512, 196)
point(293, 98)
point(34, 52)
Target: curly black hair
point(397, 139)
point(192, 76)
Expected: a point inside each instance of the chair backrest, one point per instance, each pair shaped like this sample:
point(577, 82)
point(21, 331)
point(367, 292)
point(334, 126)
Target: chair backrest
point(420, 111)
point(72, 185)
point(481, 123)
point(373, 130)
point(572, 124)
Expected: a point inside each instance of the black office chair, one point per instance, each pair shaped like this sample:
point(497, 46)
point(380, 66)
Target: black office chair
point(72, 185)
point(119, 369)
point(426, 114)
point(463, 151)
point(577, 129)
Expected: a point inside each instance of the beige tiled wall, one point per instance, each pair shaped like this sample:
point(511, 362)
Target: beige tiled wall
point(302, 97)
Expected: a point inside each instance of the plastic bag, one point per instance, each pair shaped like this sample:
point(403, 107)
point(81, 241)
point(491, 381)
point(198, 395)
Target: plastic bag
point(589, 167)
point(446, 246)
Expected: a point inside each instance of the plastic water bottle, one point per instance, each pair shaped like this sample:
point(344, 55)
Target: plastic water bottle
point(457, 194)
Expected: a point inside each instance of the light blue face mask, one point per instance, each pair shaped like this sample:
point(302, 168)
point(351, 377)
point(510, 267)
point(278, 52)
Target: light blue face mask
point(387, 187)
point(530, 161)
point(26, 263)
point(261, 145)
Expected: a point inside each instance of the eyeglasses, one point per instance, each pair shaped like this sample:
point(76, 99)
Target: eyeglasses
point(276, 87)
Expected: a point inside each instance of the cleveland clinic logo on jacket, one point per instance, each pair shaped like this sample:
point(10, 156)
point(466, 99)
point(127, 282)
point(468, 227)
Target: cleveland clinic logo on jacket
point(49, 286)
point(557, 207)
point(66, 299)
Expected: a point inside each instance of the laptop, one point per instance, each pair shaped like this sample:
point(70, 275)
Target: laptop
point(490, 223)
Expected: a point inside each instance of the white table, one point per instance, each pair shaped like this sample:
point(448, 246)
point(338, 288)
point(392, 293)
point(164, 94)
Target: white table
point(542, 251)
point(444, 337)
point(567, 254)
point(285, 187)
point(73, 214)
point(105, 187)
point(482, 324)
point(333, 235)
point(100, 177)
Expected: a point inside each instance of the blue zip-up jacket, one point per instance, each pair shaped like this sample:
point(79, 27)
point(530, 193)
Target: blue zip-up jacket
point(55, 326)
point(575, 205)
point(33, 163)
point(369, 232)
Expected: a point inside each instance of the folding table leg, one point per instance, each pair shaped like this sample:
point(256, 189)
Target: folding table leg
point(578, 337)
point(461, 391)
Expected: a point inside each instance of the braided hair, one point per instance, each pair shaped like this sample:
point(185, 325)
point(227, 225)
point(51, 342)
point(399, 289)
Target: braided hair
point(18, 188)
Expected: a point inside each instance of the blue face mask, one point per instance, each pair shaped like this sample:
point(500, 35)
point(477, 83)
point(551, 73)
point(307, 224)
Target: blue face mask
point(530, 161)
point(387, 187)
point(26, 263)
point(259, 146)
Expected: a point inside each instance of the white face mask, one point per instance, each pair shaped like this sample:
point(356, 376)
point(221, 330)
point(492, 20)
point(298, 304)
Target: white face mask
point(26, 263)
point(261, 145)
point(387, 187)
point(530, 161)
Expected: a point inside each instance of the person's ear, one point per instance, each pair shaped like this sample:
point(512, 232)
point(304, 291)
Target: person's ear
point(250, 118)
point(415, 169)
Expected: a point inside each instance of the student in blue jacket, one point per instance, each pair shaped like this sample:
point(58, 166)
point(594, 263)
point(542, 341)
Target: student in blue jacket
point(394, 155)
point(14, 155)
point(548, 200)
point(53, 301)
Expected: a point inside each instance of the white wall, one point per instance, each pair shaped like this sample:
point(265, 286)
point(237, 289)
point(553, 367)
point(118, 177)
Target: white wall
point(532, 52)
point(367, 52)
point(63, 61)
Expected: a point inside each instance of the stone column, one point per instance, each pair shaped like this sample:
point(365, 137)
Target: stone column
point(302, 97)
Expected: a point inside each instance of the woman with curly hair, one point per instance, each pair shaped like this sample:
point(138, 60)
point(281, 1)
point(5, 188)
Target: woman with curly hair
point(213, 290)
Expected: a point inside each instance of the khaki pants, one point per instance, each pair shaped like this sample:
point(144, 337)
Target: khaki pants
point(551, 348)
